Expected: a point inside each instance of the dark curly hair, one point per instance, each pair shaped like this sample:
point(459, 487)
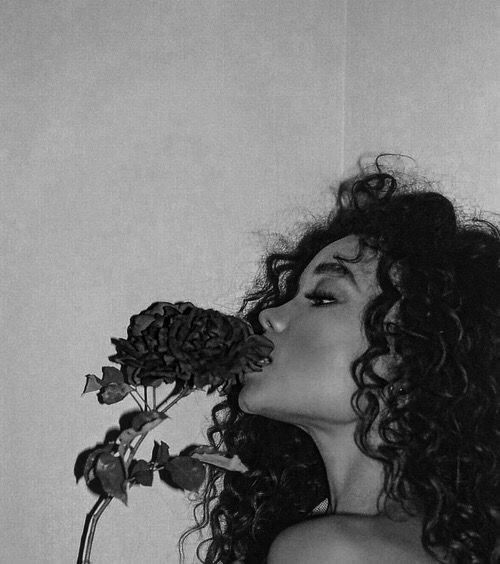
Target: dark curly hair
point(440, 448)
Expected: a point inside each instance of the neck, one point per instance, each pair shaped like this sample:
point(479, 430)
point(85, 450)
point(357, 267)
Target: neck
point(355, 480)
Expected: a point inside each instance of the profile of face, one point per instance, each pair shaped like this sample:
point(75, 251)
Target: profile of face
point(316, 335)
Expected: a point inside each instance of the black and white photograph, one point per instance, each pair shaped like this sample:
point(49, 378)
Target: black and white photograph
point(250, 281)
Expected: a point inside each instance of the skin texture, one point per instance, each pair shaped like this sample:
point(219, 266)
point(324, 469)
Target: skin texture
point(353, 540)
point(309, 381)
point(309, 384)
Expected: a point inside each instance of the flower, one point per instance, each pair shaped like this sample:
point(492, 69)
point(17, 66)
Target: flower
point(177, 344)
point(188, 345)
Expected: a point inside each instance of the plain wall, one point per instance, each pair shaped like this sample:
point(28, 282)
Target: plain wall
point(422, 79)
point(145, 150)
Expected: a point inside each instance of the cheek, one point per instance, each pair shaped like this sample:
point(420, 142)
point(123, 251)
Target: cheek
point(264, 393)
point(310, 376)
point(332, 349)
point(314, 384)
point(298, 398)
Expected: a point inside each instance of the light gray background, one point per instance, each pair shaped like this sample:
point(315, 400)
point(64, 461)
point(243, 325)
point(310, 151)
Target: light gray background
point(143, 148)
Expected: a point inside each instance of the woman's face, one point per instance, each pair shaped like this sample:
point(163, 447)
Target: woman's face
point(317, 335)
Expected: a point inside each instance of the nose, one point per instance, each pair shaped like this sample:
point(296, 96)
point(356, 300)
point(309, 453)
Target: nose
point(273, 319)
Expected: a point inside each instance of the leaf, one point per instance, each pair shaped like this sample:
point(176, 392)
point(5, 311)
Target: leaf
point(232, 464)
point(124, 439)
point(110, 374)
point(186, 472)
point(110, 472)
point(114, 392)
point(161, 453)
point(147, 420)
point(142, 423)
point(200, 449)
point(93, 384)
point(142, 473)
point(88, 470)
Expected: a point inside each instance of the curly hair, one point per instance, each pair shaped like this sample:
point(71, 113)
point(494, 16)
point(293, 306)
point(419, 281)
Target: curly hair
point(439, 268)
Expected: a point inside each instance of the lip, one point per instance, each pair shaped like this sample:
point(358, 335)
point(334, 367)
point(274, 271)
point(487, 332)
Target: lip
point(244, 376)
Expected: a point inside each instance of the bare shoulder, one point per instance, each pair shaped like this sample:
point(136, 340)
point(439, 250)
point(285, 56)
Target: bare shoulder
point(357, 540)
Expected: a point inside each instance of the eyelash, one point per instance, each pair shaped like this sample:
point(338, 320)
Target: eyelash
point(318, 296)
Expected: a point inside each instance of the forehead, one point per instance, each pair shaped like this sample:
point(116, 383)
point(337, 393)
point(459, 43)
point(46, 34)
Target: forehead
point(347, 247)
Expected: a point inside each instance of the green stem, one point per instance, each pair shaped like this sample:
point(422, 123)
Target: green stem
point(89, 528)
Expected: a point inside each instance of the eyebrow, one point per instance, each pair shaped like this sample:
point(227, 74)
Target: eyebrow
point(336, 268)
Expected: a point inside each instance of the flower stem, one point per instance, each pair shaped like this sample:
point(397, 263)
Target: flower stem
point(139, 394)
point(89, 528)
point(104, 500)
point(185, 392)
point(133, 450)
point(136, 400)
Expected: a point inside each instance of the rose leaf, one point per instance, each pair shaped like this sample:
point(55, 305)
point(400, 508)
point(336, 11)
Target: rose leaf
point(114, 392)
point(203, 449)
point(147, 420)
point(110, 472)
point(186, 472)
point(232, 464)
point(88, 469)
point(142, 473)
point(124, 439)
point(141, 424)
point(93, 384)
point(161, 453)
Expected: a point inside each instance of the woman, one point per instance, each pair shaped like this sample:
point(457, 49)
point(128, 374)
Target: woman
point(375, 430)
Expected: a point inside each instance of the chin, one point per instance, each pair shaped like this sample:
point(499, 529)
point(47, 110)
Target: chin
point(257, 402)
point(245, 400)
point(252, 392)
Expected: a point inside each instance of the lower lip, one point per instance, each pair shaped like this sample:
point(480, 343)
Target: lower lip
point(252, 373)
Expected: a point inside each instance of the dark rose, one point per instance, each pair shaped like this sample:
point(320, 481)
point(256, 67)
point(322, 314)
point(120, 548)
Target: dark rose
point(188, 345)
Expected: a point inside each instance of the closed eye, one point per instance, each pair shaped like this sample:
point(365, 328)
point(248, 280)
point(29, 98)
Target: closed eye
point(317, 297)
